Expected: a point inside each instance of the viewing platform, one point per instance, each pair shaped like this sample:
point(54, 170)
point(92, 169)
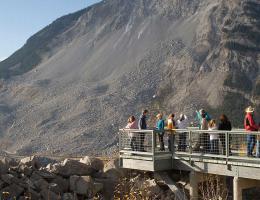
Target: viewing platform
point(189, 150)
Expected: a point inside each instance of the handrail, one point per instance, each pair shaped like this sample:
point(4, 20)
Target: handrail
point(188, 130)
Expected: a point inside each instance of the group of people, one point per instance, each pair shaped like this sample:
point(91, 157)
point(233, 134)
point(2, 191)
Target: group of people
point(207, 142)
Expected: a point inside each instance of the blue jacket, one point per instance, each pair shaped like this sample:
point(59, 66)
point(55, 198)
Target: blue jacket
point(142, 122)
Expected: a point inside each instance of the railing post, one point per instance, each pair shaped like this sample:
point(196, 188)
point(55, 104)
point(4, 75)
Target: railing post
point(119, 146)
point(172, 140)
point(119, 140)
point(227, 146)
point(190, 145)
point(153, 142)
point(153, 146)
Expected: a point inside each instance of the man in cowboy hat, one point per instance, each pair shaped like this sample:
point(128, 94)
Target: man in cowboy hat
point(250, 125)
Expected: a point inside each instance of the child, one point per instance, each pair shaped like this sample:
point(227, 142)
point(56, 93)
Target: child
point(214, 137)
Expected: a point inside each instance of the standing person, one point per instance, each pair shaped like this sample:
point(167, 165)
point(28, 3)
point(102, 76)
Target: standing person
point(132, 124)
point(142, 125)
point(204, 136)
point(250, 125)
point(160, 127)
point(224, 125)
point(214, 137)
point(182, 123)
point(170, 126)
point(199, 116)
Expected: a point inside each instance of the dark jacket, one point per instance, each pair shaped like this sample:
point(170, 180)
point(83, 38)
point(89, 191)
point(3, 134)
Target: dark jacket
point(142, 122)
point(225, 126)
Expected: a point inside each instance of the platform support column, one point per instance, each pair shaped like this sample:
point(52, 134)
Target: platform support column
point(195, 178)
point(242, 183)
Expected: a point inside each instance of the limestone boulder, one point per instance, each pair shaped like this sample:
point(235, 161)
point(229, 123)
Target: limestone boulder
point(13, 190)
point(49, 195)
point(62, 183)
point(95, 163)
point(9, 179)
point(69, 196)
point(113, 171)
point(3, 166)
point(24, 169)
point(37, 161)
point(82, 185)
point(73, 167)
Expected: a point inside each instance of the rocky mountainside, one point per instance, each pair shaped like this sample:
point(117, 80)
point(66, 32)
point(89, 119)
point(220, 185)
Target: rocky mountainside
point(74, 83)
point(43, 178)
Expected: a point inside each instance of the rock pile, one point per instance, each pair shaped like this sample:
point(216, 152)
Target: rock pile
point(39, 178)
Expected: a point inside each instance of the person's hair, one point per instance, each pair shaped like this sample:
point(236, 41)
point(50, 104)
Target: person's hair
point(131, 119)
point(223, 118)
point(171, 116)
point(212, 123)
point(159, 115)
point(145, 111)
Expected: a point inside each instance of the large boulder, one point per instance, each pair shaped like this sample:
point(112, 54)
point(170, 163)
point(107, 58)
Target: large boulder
point(69, 196)
point(13, 190)
point(49, 195)
point(82, 185)
point(46, 175)
point(4, 166)
point(62, 183)
point(97, 187)
point(113, 171)
point(73, 167)
point(11, 162)
point(24, 169)
point(37, 161)
point(95, 163)
point(9, 179)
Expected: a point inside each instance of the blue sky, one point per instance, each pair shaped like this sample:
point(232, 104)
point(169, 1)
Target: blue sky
point(20, 19)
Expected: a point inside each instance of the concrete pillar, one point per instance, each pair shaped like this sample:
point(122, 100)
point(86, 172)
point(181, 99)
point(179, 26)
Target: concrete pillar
point(237, 190)
point(194, 188)
point(242, 183)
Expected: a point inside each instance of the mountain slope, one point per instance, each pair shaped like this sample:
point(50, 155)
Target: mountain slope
point(106, 62)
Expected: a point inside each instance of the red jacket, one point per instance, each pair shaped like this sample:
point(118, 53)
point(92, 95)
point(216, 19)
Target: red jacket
point(249, 123)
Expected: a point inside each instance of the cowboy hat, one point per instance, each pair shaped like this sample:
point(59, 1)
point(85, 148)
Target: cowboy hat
point(249, 109)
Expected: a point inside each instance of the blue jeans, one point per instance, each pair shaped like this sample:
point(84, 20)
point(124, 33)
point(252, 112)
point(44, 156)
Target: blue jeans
point(251, 139)
point(214, 146)
point(258, 149)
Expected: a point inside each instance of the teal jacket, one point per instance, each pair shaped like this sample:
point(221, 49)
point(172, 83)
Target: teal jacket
point(160, 124)
point(199, 117)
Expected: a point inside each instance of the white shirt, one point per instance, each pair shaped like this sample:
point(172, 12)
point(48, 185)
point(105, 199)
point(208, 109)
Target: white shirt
point(213, 136)
point(183, 124)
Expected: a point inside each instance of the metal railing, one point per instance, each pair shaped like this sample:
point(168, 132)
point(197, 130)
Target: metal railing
point(217, 145)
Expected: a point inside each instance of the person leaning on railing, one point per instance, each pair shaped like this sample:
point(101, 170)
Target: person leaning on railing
point(250, 125)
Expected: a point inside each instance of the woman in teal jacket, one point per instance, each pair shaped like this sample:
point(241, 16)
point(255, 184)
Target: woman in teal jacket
point(160, 126)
